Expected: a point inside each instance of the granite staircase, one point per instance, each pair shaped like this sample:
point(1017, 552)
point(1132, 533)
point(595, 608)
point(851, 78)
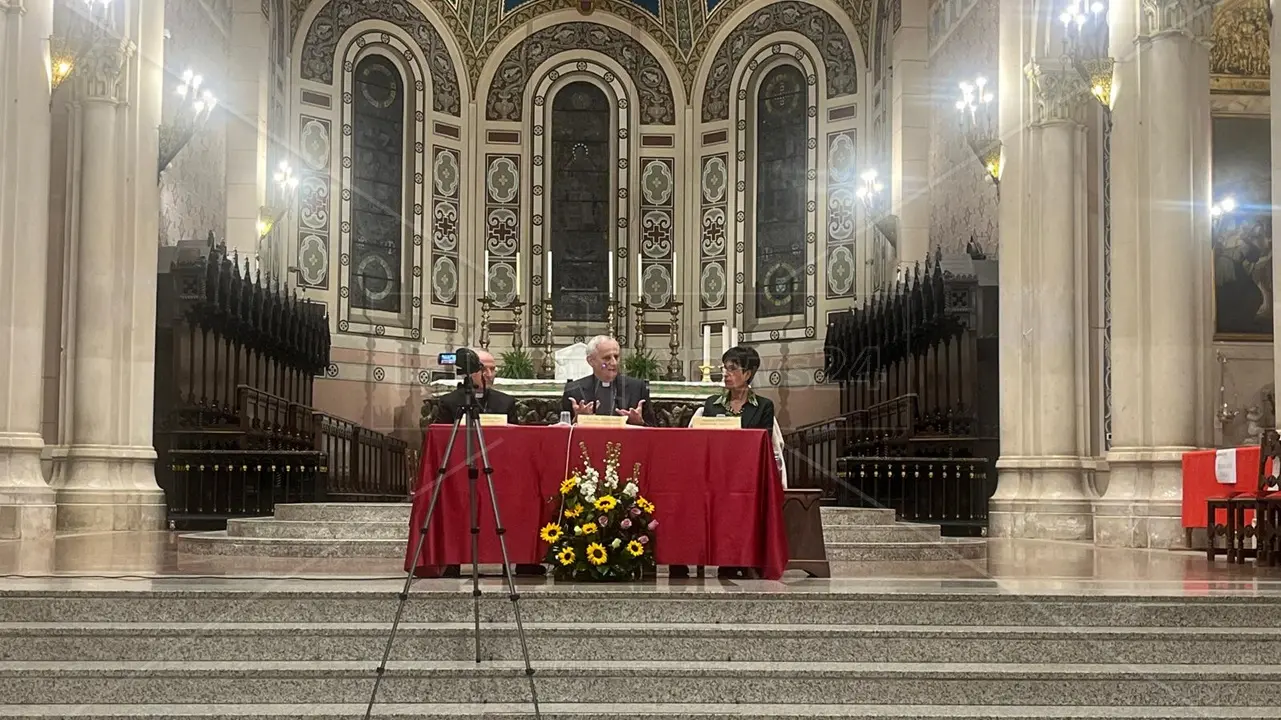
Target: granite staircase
point(288, 649)
point(379, 529)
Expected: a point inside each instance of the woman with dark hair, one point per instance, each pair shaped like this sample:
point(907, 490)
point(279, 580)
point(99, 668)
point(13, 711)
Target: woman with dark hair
point(738, 366)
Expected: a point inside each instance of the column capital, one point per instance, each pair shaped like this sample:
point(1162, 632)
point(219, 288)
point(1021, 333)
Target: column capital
point(1185, 17)
point(1060, 90)
point(16, 7)
point(102, 67)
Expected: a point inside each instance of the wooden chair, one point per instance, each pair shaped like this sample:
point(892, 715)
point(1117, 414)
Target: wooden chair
point(1264, 500)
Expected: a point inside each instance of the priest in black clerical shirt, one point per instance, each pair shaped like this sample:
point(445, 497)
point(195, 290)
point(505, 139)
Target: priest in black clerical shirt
point(491, 401)
point(605, 391)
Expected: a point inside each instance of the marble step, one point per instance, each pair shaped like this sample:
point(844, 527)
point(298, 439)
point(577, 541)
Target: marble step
point(857, 516)
point(941, 549)
point(897, 532)
point(648, 711)
point(316, 529)
point(436, 601)
point(643, 682)
point(344, 512)
point(219, 542)
point(261, 642)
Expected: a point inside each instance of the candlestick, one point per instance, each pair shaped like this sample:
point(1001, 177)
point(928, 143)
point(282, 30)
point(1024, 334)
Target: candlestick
point(724, 339)
point(707, 343)
point(640, 279)
point(549, 273)
point(611, 275)
point(485, 270)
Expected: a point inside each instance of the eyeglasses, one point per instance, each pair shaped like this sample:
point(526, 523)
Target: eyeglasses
point(731, 368)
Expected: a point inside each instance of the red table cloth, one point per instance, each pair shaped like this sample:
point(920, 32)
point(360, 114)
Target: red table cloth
point(717, 493)
point(1200, 483)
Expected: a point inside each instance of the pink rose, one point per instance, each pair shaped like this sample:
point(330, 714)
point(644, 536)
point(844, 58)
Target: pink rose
point(653, 524)
point(643, 539)
point(625, 523)
point(602, 521)
point(636, 511)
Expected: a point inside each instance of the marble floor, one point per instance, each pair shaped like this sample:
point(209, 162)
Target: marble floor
point(1012, 566)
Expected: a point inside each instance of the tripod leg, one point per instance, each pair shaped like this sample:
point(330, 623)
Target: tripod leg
point(409, 576)
point(473, 516)
point(511, 579)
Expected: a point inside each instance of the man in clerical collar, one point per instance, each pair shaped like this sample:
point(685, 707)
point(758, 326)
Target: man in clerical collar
point(490, 401)
point(606, 391)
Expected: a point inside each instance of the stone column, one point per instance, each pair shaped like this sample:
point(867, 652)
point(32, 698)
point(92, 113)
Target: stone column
point(910, 142)
point(1160, 228)
point(246, 111)
point(27, 507)
point(104, 488)
point(1050, 231)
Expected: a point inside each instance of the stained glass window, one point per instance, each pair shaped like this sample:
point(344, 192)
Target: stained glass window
point(378, 181)
point(781, 136)
point(582, 183)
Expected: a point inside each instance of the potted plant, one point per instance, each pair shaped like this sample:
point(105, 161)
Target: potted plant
point(642, 365)
point(516, 364)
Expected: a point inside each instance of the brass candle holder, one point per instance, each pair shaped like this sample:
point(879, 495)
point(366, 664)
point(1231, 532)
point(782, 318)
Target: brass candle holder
point(486, 303)
point(549, 362)
point(706, 371)
point(517, 311)
point(674, 370)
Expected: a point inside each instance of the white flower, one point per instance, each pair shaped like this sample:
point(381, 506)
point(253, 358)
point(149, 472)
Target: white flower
point(630, 490)
point(578, 529)
point(617, 543)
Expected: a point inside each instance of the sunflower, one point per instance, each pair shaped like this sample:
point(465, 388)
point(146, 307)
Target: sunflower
point(551, 532)
point(566, 556)
point(596, 554)
point(606, 503)
point(567, 486)
point(574, 511)
point(635, 548)
point(645, 505)
point(589, 528)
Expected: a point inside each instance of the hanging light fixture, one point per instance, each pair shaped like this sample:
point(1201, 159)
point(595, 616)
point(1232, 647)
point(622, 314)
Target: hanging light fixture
point(88, 21)
point(977, 108)
point(1085, 44)
point(192, 114)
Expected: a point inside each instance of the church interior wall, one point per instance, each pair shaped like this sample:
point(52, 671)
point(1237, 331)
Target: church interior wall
point(193, 189)
point(963, 45)
point(692, 235)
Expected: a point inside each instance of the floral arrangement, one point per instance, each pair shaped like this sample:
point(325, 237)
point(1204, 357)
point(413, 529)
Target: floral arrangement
point(604, 528)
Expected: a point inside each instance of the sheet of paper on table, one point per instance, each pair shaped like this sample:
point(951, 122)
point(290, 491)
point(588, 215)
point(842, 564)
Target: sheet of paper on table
point(1225, 466)
point(602, 420)
point(723, 422)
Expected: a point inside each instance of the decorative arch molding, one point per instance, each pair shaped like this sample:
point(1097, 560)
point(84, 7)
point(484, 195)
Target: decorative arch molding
point(334, 18)
point(504, 101)
point(840, 63)
point(549, 83)
point(761, 59)
point(408, 323)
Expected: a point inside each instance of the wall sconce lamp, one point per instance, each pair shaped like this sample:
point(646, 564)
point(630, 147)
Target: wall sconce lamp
point(978, 123)
point(287, 183)
point(84, 27)
point(1085, 44)
point(1221, 209)
point(191, 116)
point(869, 191)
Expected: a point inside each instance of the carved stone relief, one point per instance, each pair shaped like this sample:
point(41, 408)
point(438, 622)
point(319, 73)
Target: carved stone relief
point(1240, 56)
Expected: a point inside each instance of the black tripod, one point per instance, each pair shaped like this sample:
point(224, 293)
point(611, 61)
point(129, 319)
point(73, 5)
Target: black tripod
point(475, 440)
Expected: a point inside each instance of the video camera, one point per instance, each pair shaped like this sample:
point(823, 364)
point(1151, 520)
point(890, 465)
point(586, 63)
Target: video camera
point(464, 360)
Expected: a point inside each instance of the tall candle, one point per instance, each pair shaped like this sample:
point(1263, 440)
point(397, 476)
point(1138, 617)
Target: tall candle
point(640, 279)
point(611, 275)
point(485, 270)
point(707, 344)
point(549, 273)
point(724, 339)
point(733, 337)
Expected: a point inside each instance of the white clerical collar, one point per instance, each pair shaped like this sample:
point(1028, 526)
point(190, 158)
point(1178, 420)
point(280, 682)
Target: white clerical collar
point(604, 384)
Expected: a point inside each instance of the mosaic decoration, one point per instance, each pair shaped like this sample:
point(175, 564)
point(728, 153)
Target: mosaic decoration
point(839, 65)
point(657, 257)
point(507, 93)
point(313, 202)
point(406, 321)
point(713, 202)
point(502, 227)
point(540, 153)
point(683, 28)
point(445, 178)
point(842, 214)
point(338, 16)
point(763, 61)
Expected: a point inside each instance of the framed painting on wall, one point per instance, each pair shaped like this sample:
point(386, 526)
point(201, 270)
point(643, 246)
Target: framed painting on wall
point(1242, 228)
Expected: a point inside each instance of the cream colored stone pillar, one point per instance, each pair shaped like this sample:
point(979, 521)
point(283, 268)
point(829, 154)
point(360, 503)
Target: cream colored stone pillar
point(1050, 231)
point(110, 483)
point(246, 111)
point(910, 141)
point(27, 507)
point(1160, 227)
